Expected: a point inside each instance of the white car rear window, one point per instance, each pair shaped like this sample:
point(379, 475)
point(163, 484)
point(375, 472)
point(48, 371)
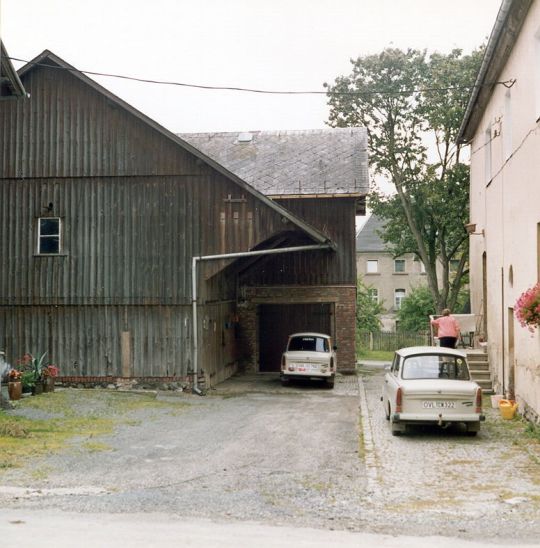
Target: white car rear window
point(435, 367)
point(309, 344)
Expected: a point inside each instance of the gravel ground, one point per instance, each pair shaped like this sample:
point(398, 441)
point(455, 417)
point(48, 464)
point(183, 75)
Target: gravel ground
point(299, 455)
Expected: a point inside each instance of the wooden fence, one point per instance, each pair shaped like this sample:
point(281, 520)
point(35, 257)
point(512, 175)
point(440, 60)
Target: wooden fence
point(390, 341)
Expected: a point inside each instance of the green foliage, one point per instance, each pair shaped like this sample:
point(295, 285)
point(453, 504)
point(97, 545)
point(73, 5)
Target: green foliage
point(407, 100)
point(415, 310)
point(367, 309)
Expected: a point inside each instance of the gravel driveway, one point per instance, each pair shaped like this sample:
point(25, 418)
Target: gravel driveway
point(298, 455)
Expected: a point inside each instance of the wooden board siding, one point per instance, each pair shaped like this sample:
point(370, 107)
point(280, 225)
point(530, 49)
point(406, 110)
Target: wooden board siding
point(69, 129)
point(120, 341)
point(335, 217)
point(127, 240)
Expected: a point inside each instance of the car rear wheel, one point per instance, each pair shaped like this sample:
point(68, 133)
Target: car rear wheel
point(330, 382)
point(285, 381)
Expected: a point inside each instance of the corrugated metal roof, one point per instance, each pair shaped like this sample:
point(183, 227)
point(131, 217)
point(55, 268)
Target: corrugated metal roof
point(303, 162)
point(368, 239)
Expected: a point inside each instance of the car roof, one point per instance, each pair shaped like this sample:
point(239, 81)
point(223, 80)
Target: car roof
point(423, 350)
point(309, 334)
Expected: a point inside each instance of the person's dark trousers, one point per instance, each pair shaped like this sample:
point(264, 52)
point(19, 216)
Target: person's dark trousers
point(448, 342)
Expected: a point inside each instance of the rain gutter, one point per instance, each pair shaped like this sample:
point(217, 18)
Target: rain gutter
point(194, 294)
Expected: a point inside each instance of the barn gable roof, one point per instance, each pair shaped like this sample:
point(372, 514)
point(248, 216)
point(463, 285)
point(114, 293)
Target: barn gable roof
point(10, 83)
point(50, 60)
point(320, 162)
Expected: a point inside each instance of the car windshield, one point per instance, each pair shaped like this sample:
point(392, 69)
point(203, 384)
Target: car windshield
point(435, 366)
point(307, 343)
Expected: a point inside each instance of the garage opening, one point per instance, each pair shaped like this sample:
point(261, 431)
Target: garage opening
point(278, 321)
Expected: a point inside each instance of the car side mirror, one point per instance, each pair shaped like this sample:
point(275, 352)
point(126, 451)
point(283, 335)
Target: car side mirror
point(334, 347)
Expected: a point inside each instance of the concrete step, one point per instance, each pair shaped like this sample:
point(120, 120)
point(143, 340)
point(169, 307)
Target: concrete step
point(479, 366)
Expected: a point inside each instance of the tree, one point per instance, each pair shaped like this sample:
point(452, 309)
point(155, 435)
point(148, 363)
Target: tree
point(415, 310)
point(412, 106)
point(367, 309)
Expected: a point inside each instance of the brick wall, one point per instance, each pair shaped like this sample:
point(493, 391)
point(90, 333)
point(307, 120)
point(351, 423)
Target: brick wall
point(343, 299)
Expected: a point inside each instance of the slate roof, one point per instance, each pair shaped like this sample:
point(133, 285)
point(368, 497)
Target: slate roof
point(367, 240)
point(304, 162)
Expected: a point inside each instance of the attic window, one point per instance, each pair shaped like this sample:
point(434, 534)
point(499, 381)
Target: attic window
point(245, 137)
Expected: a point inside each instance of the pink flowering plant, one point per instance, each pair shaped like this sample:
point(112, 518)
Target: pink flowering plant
point(527, 308)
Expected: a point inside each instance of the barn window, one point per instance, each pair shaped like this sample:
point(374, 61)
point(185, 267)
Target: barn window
point(49, 235)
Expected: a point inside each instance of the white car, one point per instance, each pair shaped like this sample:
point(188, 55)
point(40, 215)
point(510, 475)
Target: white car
point(431, 385)
point(309, 356)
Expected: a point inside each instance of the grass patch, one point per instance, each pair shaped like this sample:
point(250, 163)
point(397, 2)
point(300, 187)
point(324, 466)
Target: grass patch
point(377, 355)
point(47, 424)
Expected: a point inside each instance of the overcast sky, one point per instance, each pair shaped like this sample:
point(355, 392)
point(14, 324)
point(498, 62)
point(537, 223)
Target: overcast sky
point(266, 44)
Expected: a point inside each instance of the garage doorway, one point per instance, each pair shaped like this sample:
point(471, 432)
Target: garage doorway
point(278, 321)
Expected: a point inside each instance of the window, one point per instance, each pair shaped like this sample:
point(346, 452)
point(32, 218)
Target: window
point(373, 294)
point(454, 265)
point(49, 235)
point(399, 266)
point(399, 295)
point(372, 267)
point(309, 344)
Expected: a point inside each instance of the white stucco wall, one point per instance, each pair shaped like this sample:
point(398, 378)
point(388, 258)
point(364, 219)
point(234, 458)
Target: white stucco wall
point(506, 207)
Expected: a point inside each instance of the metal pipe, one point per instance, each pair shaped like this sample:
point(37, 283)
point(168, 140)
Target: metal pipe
point(194, 295)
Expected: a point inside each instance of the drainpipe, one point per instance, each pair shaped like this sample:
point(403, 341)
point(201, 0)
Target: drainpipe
point(194, 296)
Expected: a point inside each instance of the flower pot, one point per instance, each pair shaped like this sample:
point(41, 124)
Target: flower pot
point(15, 390)
point(37, 388)
point(48, 384)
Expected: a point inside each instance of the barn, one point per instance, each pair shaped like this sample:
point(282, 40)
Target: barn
point(130, 253)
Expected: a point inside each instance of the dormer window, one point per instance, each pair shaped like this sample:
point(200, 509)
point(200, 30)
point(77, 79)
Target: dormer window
point(49, 236)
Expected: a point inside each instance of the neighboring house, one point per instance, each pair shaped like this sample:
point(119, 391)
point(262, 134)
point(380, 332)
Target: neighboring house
point(501, 124)
point(390, 279)
point(106, 216)
point(321, 176)
point(10, 83)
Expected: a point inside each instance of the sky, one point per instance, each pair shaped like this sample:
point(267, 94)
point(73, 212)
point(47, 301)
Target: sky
point(286, 45)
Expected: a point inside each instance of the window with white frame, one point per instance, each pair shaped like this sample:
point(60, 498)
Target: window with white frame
point(399, 295)
point(373, 294)
point(372, 266)
point(399, 266)
point(49, 236)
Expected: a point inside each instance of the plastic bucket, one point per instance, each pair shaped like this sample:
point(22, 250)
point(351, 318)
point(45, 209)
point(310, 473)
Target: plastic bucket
point(495, 400)
point(508, 409)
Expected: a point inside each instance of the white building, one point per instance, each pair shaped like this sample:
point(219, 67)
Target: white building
point(502, 125)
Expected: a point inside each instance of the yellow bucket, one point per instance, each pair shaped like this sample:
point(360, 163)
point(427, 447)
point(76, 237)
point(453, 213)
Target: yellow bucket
point(508, 409)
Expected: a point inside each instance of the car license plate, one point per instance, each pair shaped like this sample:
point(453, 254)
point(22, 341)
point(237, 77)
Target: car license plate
point(439, 405)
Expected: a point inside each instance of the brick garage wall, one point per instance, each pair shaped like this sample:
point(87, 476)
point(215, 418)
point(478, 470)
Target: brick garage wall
point(342, 297)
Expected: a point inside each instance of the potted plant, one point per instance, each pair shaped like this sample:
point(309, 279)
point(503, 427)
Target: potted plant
point(527, 308)
point(14, 384)
point(31, 376)
point(48, 374)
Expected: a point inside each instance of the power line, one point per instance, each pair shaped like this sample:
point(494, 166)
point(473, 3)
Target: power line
point(506, 83)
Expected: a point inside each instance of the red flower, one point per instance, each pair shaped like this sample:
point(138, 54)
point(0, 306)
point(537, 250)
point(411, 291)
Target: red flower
point(527, 308)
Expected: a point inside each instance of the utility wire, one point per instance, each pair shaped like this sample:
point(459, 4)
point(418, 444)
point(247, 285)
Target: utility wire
point(506, 83)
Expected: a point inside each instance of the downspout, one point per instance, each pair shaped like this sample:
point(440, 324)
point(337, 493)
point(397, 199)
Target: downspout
point(194, 296)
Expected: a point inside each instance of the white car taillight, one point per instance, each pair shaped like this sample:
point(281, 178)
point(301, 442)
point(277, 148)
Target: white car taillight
point(399, 400)
point(478, 403)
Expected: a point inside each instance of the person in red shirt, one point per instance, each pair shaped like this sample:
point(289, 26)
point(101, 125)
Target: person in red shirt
point(447, 329)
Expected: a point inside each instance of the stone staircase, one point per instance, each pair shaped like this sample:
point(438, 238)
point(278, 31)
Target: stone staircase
point(479, 368)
